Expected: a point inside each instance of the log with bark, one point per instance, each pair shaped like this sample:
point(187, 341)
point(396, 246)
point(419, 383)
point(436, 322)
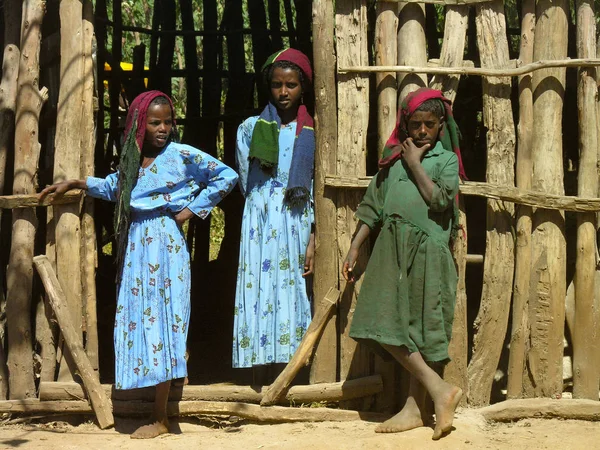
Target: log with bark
point(30, 99)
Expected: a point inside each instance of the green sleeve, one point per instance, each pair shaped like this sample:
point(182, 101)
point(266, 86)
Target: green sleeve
point(445, 185)
point(370, 209)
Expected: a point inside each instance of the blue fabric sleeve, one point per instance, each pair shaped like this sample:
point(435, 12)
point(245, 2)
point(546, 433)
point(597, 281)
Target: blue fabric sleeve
point(103, 188)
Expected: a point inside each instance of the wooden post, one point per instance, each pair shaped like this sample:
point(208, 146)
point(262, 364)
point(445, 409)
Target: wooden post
point(67, 162)
point(412, 47)
point(100, 402)
point(520, 317)
point(88, 230)
point(453, 48)
point(353, 114)
point(324, 366)
point(548, 269)
point(586, 372)
point(304, 350)
point(492, 319)
point(27, 151)
point(386, 54)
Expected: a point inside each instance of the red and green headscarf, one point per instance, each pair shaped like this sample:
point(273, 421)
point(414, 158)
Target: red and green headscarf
point(264, 145)
point(449, 134)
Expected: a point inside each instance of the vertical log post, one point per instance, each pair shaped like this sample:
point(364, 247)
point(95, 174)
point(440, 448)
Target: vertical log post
point(548, 257)
point(412, 47)
point(520, 317)
point(586, 373)
point(353, 114)
point(88, 230)
point(453, 47)
point(386, 54)
point(324, 365)
point(30, 100)
point(492, 319)
point(67, 162)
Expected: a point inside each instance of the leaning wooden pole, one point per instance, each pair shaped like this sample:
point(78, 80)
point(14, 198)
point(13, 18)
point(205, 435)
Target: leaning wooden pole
point(520, 317)
point(386, 54)
point(57, 298)
point(324, 366)
point(30, 100)
point(353, 114)
point(548, 268)
point(67, 162)
point(586, 372)
point(492, 320)
point(453, 48)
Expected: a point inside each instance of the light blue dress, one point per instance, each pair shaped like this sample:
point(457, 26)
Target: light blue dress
point(153, 307)
point(272, 310)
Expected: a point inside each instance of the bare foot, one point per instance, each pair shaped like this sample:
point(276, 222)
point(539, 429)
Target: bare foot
point(150, 431)
point(409, 418)
point(444, 411)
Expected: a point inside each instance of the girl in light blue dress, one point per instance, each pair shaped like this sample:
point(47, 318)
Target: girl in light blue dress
point(275, 160)
point(160, 184)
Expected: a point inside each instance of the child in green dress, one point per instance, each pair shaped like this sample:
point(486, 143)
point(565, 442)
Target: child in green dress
point(406, 304)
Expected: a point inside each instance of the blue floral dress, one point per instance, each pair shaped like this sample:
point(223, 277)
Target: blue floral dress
point(272, 310)
point(153, 306)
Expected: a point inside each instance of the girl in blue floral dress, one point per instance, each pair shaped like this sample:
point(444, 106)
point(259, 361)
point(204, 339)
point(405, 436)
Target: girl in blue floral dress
point(155, 195)
point(275, 160)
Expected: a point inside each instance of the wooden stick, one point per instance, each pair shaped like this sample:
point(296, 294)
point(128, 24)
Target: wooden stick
point(304, 350)
point(439, 2)
point(31, 200)
point(253, 412)
point(324, 392)
point(586, 371)
point(504, 193)
point(527, 68)
point(517, 409)
point(520, 315)
point(99, 400)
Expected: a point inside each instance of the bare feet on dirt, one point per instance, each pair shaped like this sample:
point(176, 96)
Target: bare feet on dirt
point(151, 431)
point(445, 406)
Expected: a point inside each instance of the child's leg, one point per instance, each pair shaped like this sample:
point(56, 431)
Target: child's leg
point(159, 420)
point(445, 396)
point(412, 414)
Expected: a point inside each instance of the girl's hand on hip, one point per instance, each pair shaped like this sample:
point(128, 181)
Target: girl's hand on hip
point(182, 216)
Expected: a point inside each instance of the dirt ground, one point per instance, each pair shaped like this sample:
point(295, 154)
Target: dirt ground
point(471, 432)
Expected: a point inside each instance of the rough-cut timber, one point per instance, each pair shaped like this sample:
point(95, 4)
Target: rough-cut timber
point(67, 163)
point(27, 150)
point(453, 47)
point(586, 368)
point(513, 410)
point(520, 318)
point(412, 47)
point(492, 320)
point(88, 230)
point(191, 408)
point(296, 395)
point(324, 365)
point(31, 200)
point(56, 296)
point(304, 351)
point(548, 257)
point(353, 120)
point(386, 52)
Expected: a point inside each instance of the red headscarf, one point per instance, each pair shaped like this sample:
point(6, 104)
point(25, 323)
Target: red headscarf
point(448, 135)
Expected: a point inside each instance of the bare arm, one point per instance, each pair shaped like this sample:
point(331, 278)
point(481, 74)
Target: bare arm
point(360, 236)
point(62, 187)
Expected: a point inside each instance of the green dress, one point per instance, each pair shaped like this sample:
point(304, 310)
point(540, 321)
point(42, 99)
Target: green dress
point(409, 288)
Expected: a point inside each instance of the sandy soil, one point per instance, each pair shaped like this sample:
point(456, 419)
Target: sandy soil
point(471, 432)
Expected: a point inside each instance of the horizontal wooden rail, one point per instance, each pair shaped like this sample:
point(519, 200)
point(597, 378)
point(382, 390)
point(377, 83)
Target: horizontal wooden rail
point(440, 2)
point(508, 72)
point(503, 193)
point(31, 200)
